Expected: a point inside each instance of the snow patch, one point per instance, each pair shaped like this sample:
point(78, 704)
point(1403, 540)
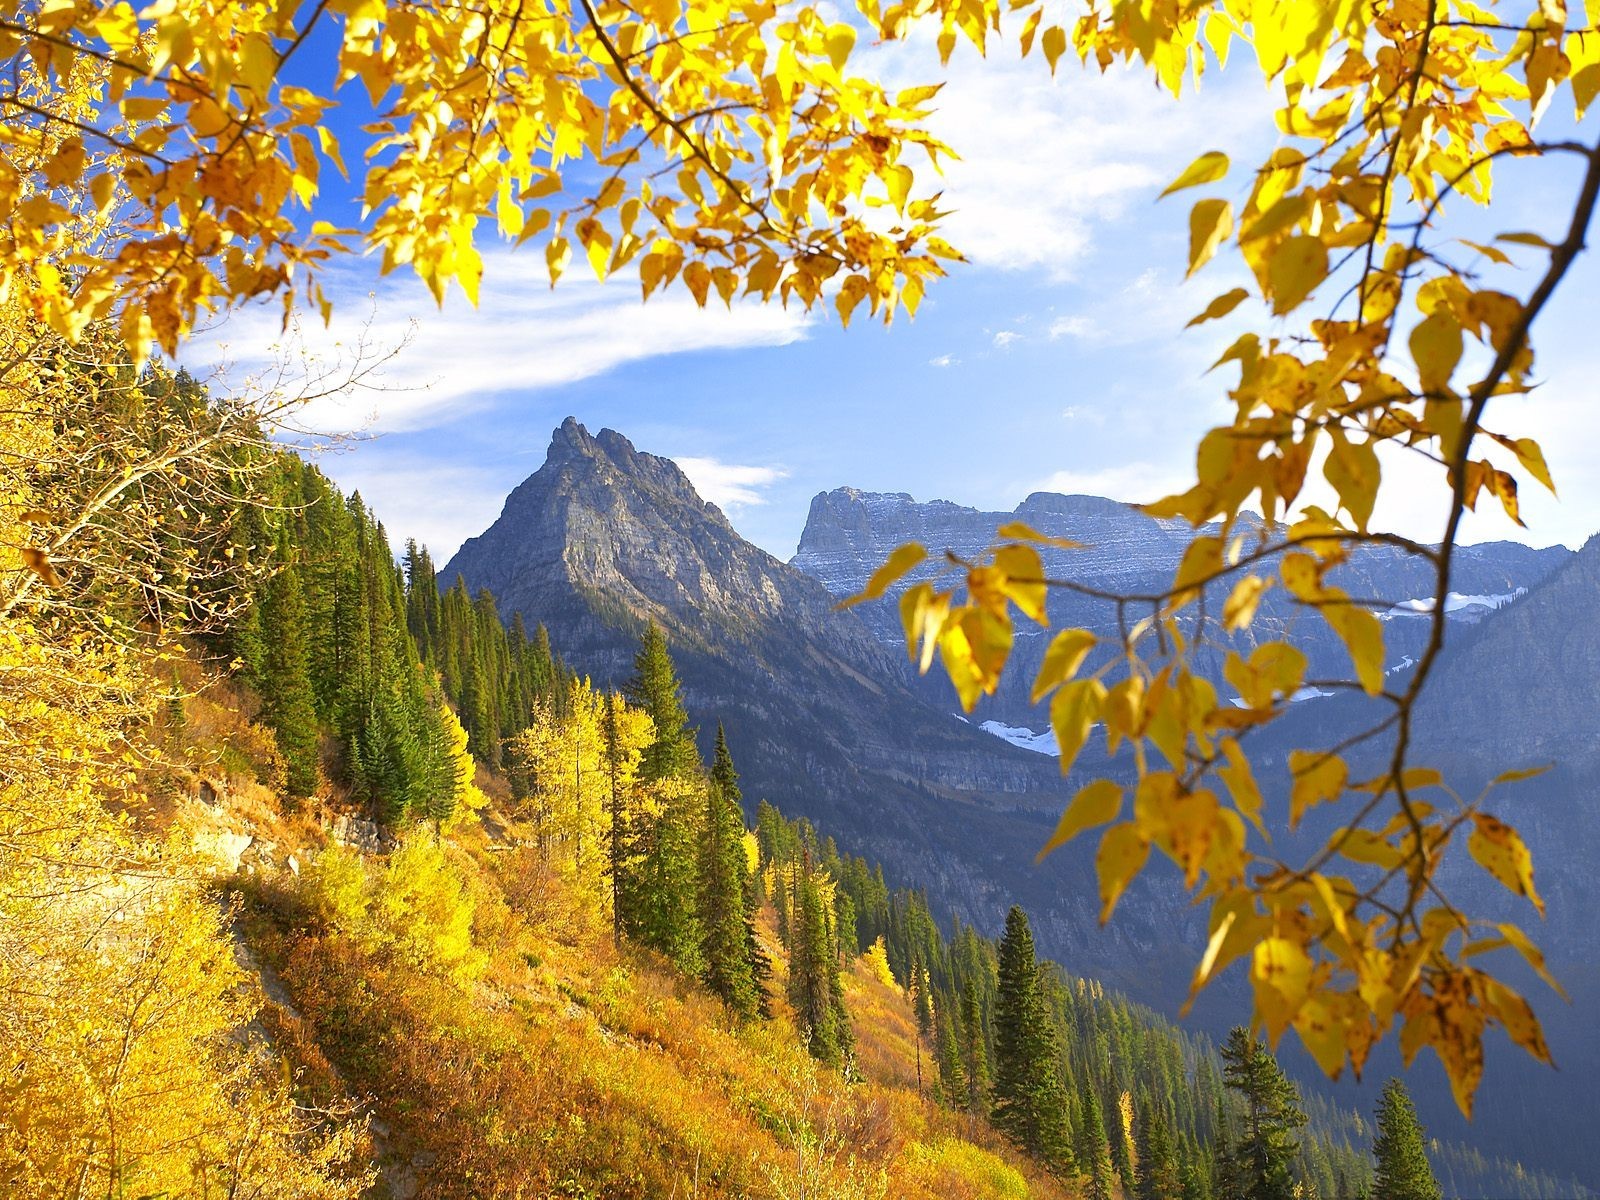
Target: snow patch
point(1017, 735)
point(1454, 602)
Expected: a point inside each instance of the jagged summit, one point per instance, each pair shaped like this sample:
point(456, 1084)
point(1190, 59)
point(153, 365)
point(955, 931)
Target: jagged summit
point(603, 537)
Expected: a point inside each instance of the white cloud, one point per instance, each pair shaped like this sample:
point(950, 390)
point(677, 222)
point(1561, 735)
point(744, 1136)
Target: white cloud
point(944, 360)
point(1073, 327)
point(1136, 482)
point(1005, 338)
point(437, 504)
point(725, 484)
point(1044, 160)
point(522, 337)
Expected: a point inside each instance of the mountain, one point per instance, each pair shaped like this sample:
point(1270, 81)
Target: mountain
point(827, 722)
point(848, 533)
point(603, 538)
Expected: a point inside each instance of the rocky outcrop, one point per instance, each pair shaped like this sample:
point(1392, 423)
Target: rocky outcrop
point(849, 533)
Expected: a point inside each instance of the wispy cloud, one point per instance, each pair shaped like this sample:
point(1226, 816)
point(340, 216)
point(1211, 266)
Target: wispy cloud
point(944, 360)
point(1136, 482)
point(1045, 159)
point(1006, 338)
point(438, 504)
point(522, 338)
point(1073, 327)
point(729, 484)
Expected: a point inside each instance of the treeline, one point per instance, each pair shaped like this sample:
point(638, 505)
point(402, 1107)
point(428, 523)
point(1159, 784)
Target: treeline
point(1107, 1090)
point(343, 644)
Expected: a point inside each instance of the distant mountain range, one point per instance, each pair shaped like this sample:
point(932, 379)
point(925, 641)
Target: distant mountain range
point(849, 533)
point(827, 721)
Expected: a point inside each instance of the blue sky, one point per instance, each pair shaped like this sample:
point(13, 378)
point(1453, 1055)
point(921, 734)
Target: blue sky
point(1056, 360)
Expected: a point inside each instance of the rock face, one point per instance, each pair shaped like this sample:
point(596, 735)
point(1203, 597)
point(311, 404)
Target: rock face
point(849, 533)
point(603, 538)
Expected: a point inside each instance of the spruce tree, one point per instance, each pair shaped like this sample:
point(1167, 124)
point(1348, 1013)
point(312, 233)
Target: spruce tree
point(814, 988)
point(1028, 1097)
point(1400, 1148)
point(952, 1077)
point(283, 677)
point(654, 688)
point(1093, 1149)
point(1159, 1175)
point(619, 841)
point(974, 1049)
point(1266, 1148)
point(668, 881)
point(725, 946)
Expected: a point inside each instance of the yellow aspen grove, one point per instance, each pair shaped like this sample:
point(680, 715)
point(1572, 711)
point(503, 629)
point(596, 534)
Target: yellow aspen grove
point(162, 163)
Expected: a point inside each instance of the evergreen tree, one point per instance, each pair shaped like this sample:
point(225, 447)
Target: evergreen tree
point(974, 1049)
point(654, 688)
point(947, 1049)
point(668, 883)
point(1159, 1175)
point(1400, 1148)
point(725, 945)
point(1029, 1102)
point(283, 677)
point(1093, 1149)
point(619, 847)
point(1266, 1149)
point(814, 989)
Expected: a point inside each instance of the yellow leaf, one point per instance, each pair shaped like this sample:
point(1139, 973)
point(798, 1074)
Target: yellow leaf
point(1095, 804)
point(1436, 348)
point(1294, 270)
point(1362, 634)
point(1024, 579)
point(841, 39)
point(1516, 1015)
point(1054, 45)
point(1121, 854)
point(1240, 607)
point(1021, 531)
point(1318, 778)
point(1280, 972)
point(1352, 468)
point(898, 180)
point(1208, 168)
point(1523, 945)
point(1240, 781)
point(1499, 850)
point(1072, 713)
point(903, 559)
point(1062, 658)
point(1210, 221)
point(1364, 846)
point(1221, 306)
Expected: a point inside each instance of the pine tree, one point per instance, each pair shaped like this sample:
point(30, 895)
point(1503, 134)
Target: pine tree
point(725, 946)
point(288, 703)
point(1266, 1149)
point(1400, 1148)
point(1028, 1097)
point(654, 688)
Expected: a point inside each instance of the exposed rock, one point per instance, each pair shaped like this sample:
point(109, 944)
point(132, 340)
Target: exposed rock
point(849, 533)
point(360, 834)
point(224, 846)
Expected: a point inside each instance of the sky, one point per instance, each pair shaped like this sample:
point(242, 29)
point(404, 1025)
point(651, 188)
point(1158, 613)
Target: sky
point(1055, 360)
